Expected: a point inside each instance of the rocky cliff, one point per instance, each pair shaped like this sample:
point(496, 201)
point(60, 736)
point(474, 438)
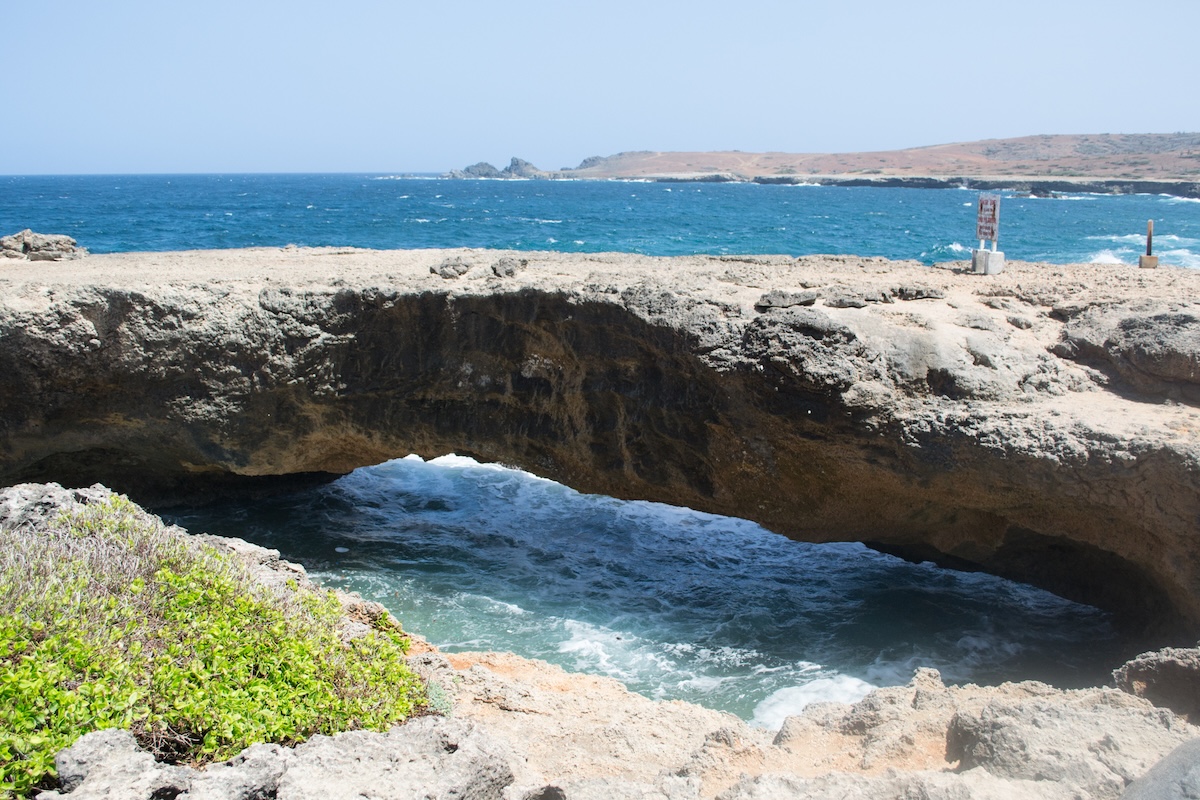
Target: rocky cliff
point(1038, 424)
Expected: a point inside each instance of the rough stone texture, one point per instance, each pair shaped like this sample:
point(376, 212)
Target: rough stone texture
point(1169, 678)
point(32, 505)
point(582, 737)
point(429, 757)
point(1176, 777)
point(40, 246)
point(108, 764)
point(526, 730)
point(508, 267)
point(454, 267)
point(781, 299)
point(1097, 741)
point(432, 757)
point(930, 427)
point(1152, 348)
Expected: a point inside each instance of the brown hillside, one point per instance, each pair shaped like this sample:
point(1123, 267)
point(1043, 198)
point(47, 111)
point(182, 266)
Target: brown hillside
point(1151, 156)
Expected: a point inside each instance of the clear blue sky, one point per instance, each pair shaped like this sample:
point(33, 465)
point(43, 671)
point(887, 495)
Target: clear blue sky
point(357, 85)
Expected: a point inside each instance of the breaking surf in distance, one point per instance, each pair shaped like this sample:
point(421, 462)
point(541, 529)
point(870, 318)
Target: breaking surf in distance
point(184, 212)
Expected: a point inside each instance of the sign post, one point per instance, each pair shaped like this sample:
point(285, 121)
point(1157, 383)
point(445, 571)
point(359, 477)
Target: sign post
point(987, 227)
point(1149, 261)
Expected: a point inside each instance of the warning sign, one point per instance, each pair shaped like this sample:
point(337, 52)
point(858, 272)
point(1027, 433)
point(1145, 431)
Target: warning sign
point(987, 226)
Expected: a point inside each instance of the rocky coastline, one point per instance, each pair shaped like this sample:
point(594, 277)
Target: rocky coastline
point(520, 169)
point(513, 729)
point(1041, 165)
point(1038, 424)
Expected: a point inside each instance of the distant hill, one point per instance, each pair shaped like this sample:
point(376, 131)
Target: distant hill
point(1147, 156)
point(1100, 157)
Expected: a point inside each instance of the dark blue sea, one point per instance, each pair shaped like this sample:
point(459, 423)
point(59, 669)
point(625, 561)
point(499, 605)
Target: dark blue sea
point(675, 603)
point(174, 212)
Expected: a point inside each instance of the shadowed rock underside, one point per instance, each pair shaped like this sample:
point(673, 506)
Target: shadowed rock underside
point(1037, 424)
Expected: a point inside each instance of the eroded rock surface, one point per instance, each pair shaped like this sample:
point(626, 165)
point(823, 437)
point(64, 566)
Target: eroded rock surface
point(523, 730)
point(946, 415)
point(428, 757)
point(1169, 677)
point(526, 730)
point(40, 246)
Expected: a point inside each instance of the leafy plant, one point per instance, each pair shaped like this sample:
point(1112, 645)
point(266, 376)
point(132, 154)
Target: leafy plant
point(110, 619)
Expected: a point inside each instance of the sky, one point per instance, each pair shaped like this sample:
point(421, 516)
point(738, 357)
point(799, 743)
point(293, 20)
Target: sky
point(134, 86)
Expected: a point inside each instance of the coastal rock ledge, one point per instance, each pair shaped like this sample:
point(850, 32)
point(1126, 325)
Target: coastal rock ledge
point(1039, 424)
point(518, 729)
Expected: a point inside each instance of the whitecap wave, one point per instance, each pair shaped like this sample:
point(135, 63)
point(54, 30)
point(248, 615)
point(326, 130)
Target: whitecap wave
point(787, 702)
point(1105, 257)
point(1180, 258)
point(617, 654)
point(1140, 239)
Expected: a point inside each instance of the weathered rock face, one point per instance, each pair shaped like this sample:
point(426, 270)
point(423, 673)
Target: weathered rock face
point(1169, 677)
point(429, 757)
point(526, 729)
point(39, 246)
point(930, 420)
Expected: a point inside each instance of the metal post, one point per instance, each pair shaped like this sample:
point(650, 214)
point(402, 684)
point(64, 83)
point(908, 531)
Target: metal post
point(1149, 261)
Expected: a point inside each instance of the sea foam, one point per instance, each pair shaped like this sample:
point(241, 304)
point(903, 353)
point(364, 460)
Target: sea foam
point(784, 703)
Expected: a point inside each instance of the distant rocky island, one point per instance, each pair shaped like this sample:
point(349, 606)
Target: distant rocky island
point(1108, 163)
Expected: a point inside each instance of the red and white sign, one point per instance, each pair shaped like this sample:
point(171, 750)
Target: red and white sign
point(987, 226)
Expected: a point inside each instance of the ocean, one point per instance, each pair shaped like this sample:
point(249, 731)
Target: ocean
point(176, 212)
point(672, 602)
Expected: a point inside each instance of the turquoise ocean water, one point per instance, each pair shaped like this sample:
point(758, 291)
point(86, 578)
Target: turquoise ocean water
point(675, 603)
point(119, 213)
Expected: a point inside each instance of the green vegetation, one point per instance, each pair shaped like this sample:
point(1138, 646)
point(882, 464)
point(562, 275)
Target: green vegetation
point(112, 620)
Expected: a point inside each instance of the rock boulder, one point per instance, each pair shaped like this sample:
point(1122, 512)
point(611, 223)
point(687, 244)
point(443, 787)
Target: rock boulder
point(40, 246)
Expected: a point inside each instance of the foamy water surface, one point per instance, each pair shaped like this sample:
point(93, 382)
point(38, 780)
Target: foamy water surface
point(672, 602)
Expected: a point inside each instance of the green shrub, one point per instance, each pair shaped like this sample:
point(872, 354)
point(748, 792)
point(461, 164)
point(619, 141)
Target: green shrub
point(111, 620)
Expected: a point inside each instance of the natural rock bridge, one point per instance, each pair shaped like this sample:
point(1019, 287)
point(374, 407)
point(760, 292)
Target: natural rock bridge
point(1037, 424)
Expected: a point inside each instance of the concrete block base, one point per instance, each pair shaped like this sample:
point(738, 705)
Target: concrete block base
point(1148, 262)
point(987, 262)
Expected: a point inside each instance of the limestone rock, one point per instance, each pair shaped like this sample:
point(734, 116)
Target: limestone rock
point(428, 757)
point(1153, 348)
point(520, 168)
point(450, 268)
point(194, 375)
point(34, 504)
point(783, 299)
point(1095, 741)
point(1169, 678)
point(481, 170)
point(845, 301)
point(108, 764)
point(918, 292)
point(508, 267)
point(1176, 777)
point(40, 246)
